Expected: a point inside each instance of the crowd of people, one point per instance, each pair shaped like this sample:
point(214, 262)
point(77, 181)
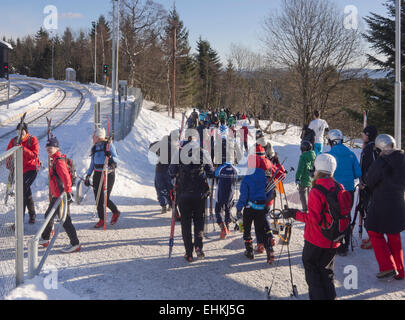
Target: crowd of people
point(326, 184)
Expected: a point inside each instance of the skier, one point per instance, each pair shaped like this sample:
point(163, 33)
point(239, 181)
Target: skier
point(163, 183)
point(308, 135)
point(98, 155)
point(231, 121)
point(59, 181)
point(386, 213)
point(192, 193)
point(303, 176)
point(31, 166)
point(252, 201)
point(319, 253)
point(193, 120)
point(368, 156)
point(222, 115)
point(320, 127)
point(348, 169)
point(245, 135)
point(226, 175)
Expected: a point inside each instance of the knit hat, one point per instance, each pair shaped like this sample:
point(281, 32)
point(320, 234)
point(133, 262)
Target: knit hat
point(371, 132)
point(24, 126)
point(53, 142)
point(100, 133)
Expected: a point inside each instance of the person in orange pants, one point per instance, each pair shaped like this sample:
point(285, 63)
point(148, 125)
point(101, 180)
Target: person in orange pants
point(386, 214)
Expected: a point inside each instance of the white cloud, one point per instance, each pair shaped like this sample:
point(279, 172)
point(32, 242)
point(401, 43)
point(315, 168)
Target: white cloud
point(71, 15)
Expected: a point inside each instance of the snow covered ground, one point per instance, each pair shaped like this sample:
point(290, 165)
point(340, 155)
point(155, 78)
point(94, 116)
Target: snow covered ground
point(130, 260)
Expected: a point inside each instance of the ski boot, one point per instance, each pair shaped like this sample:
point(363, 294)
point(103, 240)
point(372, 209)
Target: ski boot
point(164, 210)
point(32, 218)
point(115, 217)
point(260, 248)
point(99, 224)
point(200, 253)
point(270, 256)
point(224, 231)
point(228, 231)
point(71, 249)
point(189, 258)
point(249, 250)
point(387, 274)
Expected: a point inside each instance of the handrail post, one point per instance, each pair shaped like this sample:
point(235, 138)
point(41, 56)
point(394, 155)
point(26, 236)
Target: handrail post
point(19, 215)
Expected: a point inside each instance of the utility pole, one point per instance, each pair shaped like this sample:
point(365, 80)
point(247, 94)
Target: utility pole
point(53, 50)
point(95, 25)
point(113, 73)
point(174, 69)
point(118, 43)
point(398, 91)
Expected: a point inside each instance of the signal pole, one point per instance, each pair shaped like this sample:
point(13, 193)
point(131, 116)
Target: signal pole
point(95, 25)
point(174, 69)
point(398, 90)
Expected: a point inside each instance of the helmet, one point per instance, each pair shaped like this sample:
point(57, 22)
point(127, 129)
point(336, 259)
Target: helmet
point(325, 163)
point(306, 146)
point(335, 137)
point(385, 142)
point(259, 134)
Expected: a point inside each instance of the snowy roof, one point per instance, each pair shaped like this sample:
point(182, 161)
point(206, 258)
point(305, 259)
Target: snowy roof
point(6, 44)
point(70, 69)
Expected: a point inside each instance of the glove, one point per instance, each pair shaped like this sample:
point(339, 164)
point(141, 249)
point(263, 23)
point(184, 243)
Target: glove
point(289, 213)
point(70, 198)
point(87, 181)
point(239, 223)
point(108, 154)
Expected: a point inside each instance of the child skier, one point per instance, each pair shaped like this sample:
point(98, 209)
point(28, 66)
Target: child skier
point(319, 252)
point(303, 176)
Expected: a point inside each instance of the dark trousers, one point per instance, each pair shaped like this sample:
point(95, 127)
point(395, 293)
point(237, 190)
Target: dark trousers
point(259, 218)
point(29, 178)
point(163, 186)
point(218, 212)
point(192, 210)
point(68, 226)
point(267, 228)
point(319, 271)
point(348, 236)
point(303, 192)
point(97, 179)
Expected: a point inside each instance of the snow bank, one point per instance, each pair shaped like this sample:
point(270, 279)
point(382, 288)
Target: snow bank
point(41, 289)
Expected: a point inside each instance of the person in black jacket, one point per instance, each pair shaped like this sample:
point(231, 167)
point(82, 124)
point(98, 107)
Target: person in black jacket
point(368, 156)
point(192, 166)
point(386, 212)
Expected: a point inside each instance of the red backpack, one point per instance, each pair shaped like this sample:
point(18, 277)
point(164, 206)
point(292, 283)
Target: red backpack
point(335, 216)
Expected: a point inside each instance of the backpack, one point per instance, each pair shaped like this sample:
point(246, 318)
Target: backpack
point(308, 135)
point(111, 163)
point(38, 162)
point(192, 180)
point(71, 168)
point(335, 216)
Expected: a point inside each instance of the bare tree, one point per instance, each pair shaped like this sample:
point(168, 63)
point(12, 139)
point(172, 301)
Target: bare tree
point(309, 39)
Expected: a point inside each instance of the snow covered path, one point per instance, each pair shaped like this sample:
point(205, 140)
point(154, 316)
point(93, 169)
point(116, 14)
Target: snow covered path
point(130, 259)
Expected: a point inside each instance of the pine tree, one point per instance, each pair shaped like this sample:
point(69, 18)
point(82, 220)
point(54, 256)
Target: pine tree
point(380, 98)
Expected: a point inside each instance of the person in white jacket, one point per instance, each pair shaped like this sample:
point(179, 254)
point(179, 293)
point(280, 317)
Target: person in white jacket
point(319, 126)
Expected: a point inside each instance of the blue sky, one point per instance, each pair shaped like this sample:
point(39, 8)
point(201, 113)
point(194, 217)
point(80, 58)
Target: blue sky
point(221, 22)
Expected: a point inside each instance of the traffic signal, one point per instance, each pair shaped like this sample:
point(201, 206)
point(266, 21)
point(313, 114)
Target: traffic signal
point(106, 69)
point(4, 70)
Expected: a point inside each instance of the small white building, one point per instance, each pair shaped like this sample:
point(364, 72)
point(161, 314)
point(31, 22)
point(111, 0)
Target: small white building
point(70, 74)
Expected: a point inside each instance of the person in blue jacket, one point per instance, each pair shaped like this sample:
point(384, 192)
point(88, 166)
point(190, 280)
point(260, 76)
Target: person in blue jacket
point(99, 153)
point(252, 201)
point(226, 175)
point(347, 171)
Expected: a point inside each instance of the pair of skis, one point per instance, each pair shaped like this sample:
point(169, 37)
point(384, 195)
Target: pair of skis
point(11, 181)
point(105, 177)
point(173, 222)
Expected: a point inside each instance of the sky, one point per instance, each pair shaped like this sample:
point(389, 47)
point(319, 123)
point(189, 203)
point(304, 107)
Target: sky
point(221, 22)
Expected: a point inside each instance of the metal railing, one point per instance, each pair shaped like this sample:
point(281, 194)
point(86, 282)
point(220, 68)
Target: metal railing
point(34, 268)
point(14, 240)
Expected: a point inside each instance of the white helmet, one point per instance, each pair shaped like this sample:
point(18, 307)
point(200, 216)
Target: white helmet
point(325, 163)
point(100, 133)
point(335, 136)
point(385, 142)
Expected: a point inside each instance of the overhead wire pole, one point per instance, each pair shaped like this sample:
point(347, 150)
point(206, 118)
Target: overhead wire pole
point(95, 24)
point(113, 84)
point(398, 90)
point(174, 69)
point(118, 45)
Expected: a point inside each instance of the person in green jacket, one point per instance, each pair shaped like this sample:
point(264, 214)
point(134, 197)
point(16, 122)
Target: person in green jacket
point(231, 121)
point(222, 115)
point(303, 176)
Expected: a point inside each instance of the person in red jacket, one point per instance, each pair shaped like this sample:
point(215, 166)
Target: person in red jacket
point(59, 181)
point(30, 167)
point(319, 253)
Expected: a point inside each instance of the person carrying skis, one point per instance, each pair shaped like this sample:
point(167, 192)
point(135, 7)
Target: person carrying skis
point(252, 201)
point(193, 120)
point(386, 212)
point(191, 171)
point(163, 183)
point(31, 166)
point(59, 181)
point(348, 169)
point(368, 156)
point(303, 175)
point(226, 176)
point(319, 126)
point(319, 252)
point(99, 153)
